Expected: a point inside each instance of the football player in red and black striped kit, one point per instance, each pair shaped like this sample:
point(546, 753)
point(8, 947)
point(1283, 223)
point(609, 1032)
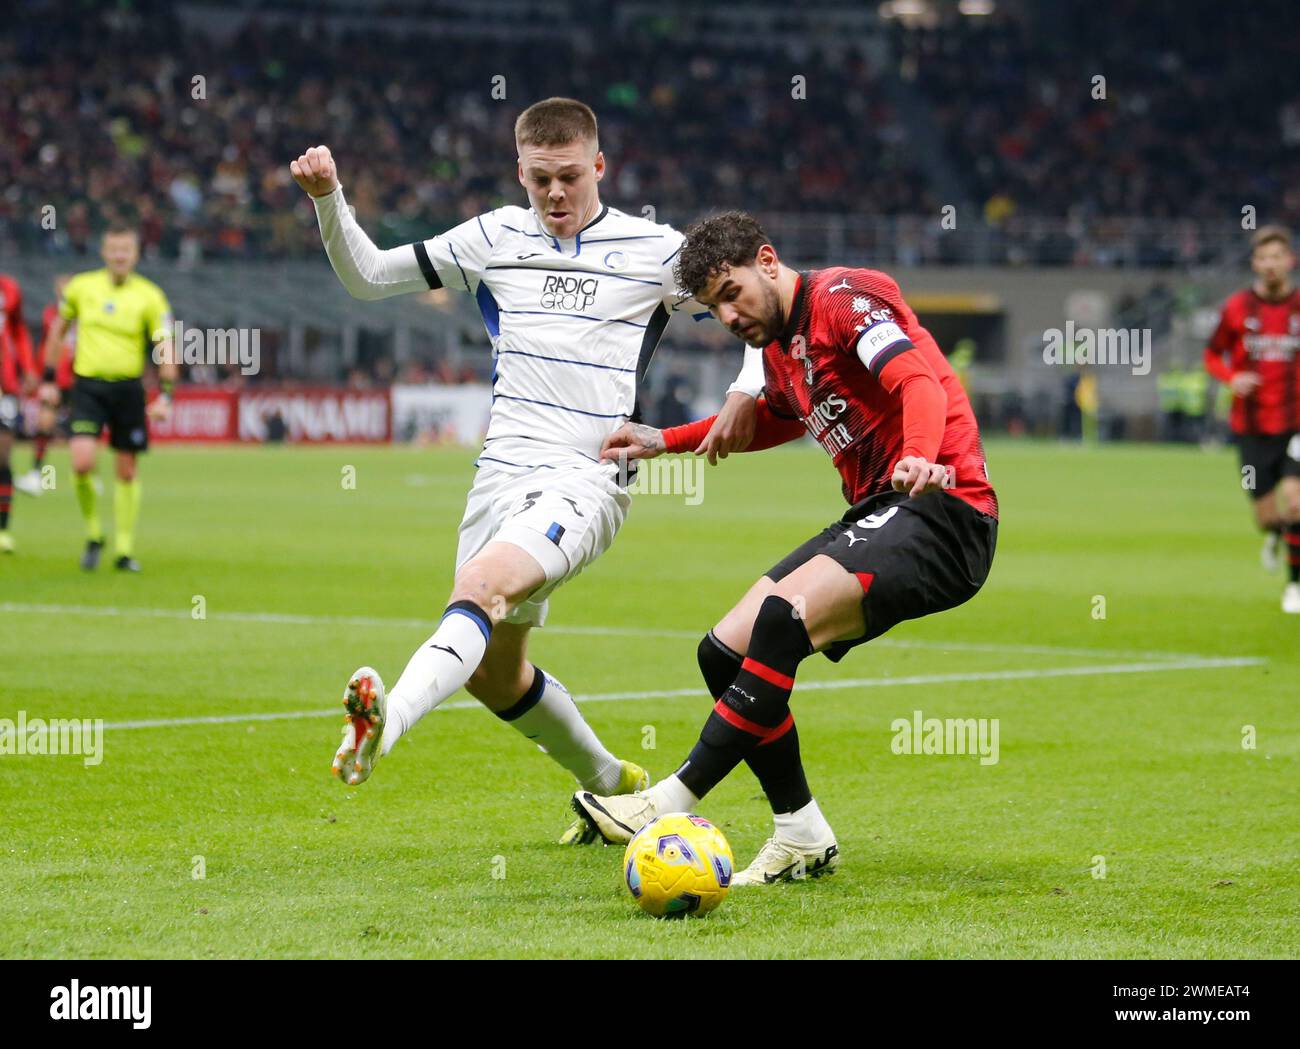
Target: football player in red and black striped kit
point(15, 377)
point(1255, 351)
point(846, 361)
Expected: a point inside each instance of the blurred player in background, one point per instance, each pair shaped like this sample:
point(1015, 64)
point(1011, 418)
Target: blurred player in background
point(55, 381)
point(1255, 352)
point(16, 375)
point(575, 297)
point(846, 361)
point(122, 319)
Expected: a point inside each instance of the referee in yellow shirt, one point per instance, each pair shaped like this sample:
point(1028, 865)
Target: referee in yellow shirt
point(121, 319)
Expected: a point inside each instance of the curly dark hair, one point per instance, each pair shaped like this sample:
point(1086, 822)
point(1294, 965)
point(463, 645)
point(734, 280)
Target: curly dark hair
point(729, 239)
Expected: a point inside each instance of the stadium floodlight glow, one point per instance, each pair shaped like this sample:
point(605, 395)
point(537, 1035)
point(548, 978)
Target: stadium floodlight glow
point(906, 10)
point(975, 8)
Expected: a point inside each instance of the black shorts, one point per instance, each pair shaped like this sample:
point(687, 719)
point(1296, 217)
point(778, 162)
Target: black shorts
point(914, 557)
point(117, 404)
point(1268, 458)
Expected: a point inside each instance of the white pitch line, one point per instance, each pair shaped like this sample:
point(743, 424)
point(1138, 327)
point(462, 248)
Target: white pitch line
point(803, 686)
point(295, 619)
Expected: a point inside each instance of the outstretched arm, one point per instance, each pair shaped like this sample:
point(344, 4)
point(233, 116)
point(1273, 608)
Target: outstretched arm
point(733, 426)
point(365, 270)
point(638, 441)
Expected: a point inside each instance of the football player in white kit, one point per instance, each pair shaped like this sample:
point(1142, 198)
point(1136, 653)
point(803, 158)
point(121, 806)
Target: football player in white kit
point(575, 296)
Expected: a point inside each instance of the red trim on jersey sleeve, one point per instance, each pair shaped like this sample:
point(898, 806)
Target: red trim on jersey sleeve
point(687, 437)
point(770, 430)
point(925, 405)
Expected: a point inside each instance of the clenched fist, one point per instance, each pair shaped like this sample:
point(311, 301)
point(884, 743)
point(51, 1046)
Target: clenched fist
point(314, 171)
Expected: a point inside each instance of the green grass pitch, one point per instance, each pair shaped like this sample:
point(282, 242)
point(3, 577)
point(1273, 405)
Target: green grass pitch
point(1121, 738)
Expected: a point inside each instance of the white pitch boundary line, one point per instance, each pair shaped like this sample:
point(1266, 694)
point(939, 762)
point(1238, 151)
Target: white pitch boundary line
point(295, 619)
point(803, 686)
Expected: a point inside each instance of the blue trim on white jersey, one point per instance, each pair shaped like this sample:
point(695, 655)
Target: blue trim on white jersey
point(562, 360)
point(563, 407)
point(654, 332)
point(644, 236)
point(504, 462)
point(576, 269)
point(487, 306)
point(479, 220)
point(525, 437)
point(578, 316)
point(456, 259)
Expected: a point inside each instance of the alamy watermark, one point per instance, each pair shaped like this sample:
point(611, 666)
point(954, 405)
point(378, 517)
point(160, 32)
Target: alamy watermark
point(922, 735)
point(212, 346)
point(82, 736)
point(75, 1002)
point(1130, 347)
point(673, 475)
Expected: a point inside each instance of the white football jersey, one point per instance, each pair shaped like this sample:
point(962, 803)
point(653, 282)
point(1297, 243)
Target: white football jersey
point(574, 323)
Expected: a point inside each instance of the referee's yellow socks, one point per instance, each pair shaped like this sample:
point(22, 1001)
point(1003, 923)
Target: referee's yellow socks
point(89, 504)
point(126, 508)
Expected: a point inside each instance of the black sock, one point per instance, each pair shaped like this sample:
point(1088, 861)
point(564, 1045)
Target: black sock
point(756, 705)
point(1293, 551)
point(775, 761)
point(6, 494)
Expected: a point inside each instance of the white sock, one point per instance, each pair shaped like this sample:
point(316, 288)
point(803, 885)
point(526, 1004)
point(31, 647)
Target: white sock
point(548, 716)
point(434, 673)
point(805, 827)
point(671, 795)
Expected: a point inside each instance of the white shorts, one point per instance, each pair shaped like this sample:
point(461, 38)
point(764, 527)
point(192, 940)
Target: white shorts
point(564, 518)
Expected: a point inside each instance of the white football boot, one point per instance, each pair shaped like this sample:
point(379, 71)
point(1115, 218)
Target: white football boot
point(632, 778)
point(363, 732)
point(616, 819)
point(776, 861)
point(1291, 599)
point(29, 483)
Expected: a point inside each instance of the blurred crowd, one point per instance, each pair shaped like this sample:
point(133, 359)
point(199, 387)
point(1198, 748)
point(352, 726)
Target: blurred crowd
point(101, 117)
point(1131, 108)
point(124, 111)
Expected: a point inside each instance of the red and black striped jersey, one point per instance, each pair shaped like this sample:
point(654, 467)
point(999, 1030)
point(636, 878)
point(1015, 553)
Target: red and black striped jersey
point(844, 327)
point(15, 343)
point(1261, 336)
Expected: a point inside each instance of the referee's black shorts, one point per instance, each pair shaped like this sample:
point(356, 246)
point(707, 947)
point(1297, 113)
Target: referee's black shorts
point(117, 404)
point(913, 557)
